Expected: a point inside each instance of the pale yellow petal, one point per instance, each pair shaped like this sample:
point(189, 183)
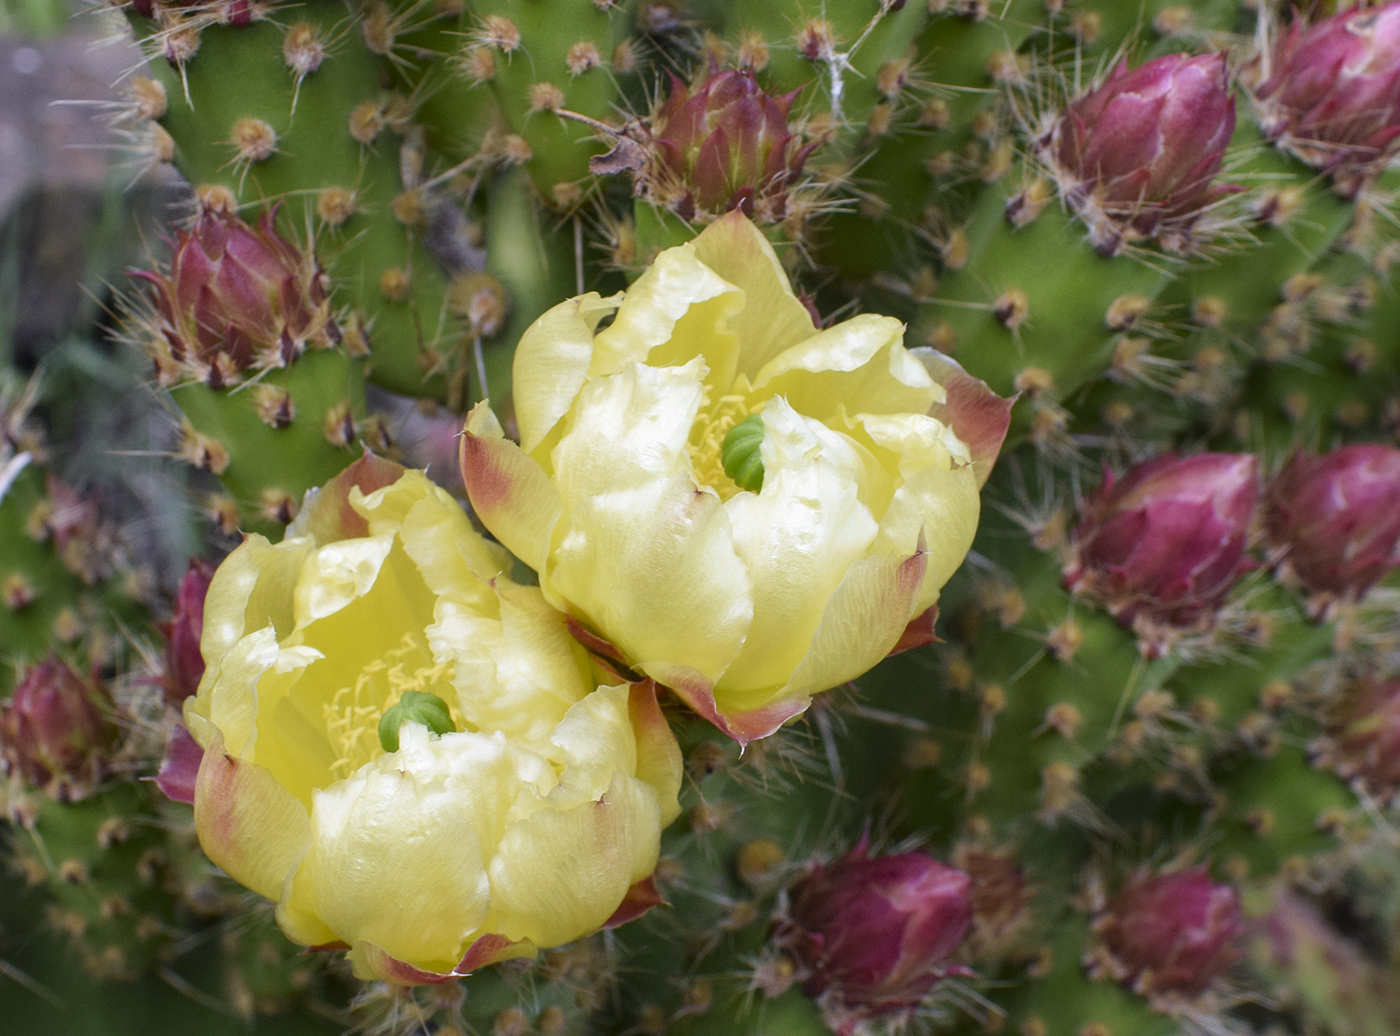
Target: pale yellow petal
point(551, 363)
point(677, 310)
point(796, 539)
point(863, 621)
point(628, 429)
point(773, 319)
point(654, 570)
point(252, 588)
point(659, 760)
point(594, 741)
point(860, 364)
point(560, 874)
point(937, 500)
point(248, 824)
point(509, 491)
point(336, 574)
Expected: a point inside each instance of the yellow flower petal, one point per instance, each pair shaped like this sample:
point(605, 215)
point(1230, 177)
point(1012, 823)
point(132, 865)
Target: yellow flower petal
point(252, 589)
point(773, 319)
point(796, 539)
point(509, 491)
point(860, 364)
point(560, 872)
point(552, 361)
point(247, 822)
point(677, 310)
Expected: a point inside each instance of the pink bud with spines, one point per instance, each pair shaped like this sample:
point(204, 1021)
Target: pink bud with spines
point(725, 145)
point(1335, 518)
point(1168, 936)
point(1332, 96)
point(235, 297)
point(1137, 156)
point(1161, 547)
point(54, 731)
point(873, 935)
point(184, 664)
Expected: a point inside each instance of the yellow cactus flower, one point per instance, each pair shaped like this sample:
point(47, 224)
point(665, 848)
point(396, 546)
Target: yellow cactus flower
point(740, 505)
point(406, 750)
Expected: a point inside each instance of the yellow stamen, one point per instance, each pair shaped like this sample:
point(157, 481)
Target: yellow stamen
point(352, 715)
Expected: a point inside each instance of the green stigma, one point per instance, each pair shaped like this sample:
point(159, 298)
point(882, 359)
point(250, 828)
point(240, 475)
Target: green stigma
point(414, 707)
point(740, 456)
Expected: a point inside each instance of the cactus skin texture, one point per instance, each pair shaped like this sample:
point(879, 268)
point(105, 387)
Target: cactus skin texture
point(1145, 781)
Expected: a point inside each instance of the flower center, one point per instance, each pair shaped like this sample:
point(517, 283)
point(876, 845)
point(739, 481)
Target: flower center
point(712, 423)
point(353, 713)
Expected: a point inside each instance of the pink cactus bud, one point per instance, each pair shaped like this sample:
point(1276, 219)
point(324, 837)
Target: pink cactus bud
point(1337, 517)
point(872, 935)
point(1332, 96)
point(54, 732)
point(1162, 547)
point(725, 145)
point(1362, 742)
point(184, 665)
point(1136, 157)
point(1168, 935)
point(235, 297)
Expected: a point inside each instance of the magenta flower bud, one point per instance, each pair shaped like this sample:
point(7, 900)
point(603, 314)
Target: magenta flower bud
point(1337, 518)
point(1136, 157)
point(54, 731)
point(1332, 96)
point(1362, 742)
point(184, 665)
point(1168, 935)
point(872, 935)
point(235, 298)
point(1162, 547)
point(726, 145)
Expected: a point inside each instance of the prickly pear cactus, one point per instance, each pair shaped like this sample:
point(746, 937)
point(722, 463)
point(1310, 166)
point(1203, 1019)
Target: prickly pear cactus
point(909, 540)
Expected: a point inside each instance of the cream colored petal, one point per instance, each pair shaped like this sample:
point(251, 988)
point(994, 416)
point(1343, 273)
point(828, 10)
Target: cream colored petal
point(594, 741)
point(658, 756)
point(251, 589)
point(398, 850)
point(336, 574)
point(228, 701)
point(653, 570)
point(509, 491)
point(796, 538)
point(628, 429)
point(977, 414)
point(677, 310)
point(860, 364)
point(863, 621)
point(560, 874)
point(326, 514)
point(452, 557)
point(773, 319)
point(937, 498)
point(248, 824)
point(551, 363)
point(518, 676)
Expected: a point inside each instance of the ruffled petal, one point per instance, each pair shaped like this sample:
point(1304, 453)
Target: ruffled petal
point(862, 622)
point(552, 361)
point(327, 515)
point(976, 414)
point(860, 364)
point(773, 318)
point(796, 539)
point(248, 824)
point(655, 567)
point(659, 760)
point(560, 872)
point(510, 493)
point(251, 589)
point(679, 309)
